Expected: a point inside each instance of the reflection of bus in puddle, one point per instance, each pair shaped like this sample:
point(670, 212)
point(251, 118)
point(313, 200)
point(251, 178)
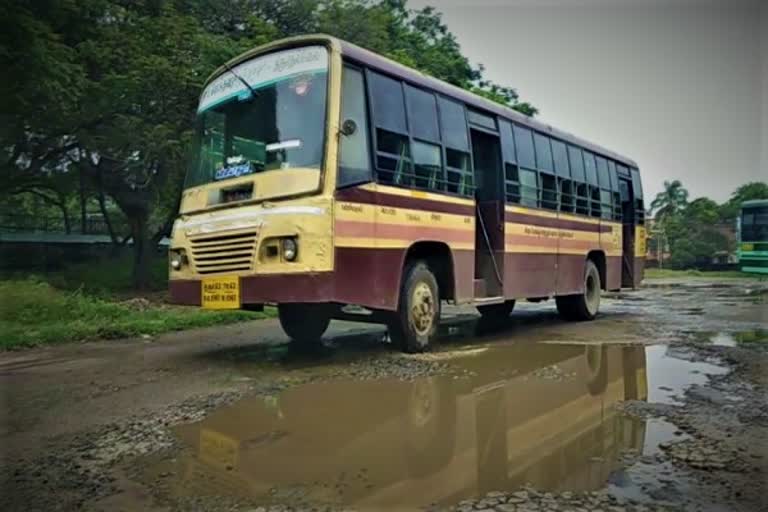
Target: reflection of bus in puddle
point(539, 414)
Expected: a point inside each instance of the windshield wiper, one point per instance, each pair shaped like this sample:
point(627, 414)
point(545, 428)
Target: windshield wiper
point(246, 84)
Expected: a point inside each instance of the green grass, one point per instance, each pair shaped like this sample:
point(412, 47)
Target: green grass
point(655, 273)
point(756, 336)
point(33, 312)
point(107, 276)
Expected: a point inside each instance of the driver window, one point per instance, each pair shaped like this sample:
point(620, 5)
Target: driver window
point(354, 157)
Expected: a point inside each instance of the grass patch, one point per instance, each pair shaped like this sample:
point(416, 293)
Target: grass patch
point(655, 273)
point(33, 312)
point(756, 336)
point(107, 276)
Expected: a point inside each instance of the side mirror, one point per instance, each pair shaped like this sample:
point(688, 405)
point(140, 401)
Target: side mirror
point(348, 127)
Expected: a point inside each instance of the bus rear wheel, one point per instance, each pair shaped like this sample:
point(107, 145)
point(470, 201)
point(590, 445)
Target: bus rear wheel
point(497, 311)
point(585, 305)
point(414, 326)
point(304, 323)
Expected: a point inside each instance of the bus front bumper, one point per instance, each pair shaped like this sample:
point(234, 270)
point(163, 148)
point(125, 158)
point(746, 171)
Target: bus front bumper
point(260, 289)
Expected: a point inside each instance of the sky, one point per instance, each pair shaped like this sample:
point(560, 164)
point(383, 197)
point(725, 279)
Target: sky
point(680, 86)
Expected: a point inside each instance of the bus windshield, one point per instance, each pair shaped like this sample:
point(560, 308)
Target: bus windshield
point(754, 224)
point(276, 123)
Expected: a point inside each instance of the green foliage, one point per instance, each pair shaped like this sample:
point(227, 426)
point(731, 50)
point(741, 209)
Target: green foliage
point(107, 277)
point(656, 273)
point(697, 231)
point(33, 313)
point(747, 192)
point(671, 201)
point(106, 89)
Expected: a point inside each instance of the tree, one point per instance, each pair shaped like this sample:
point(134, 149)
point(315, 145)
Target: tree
point(753, 190)
point(671, 201)
point(107, 89)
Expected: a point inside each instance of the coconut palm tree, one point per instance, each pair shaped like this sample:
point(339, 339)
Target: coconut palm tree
point(671, 201)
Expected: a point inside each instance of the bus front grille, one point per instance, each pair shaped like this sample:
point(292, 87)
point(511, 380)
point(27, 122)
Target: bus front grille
point(216, 253)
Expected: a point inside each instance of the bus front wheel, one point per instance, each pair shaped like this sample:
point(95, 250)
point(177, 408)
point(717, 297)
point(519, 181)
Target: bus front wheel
point(414, 325)
point(304, 323)
point(582, 306)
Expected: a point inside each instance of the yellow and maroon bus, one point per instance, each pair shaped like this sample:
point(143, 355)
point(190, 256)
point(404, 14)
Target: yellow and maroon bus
point(327, 176)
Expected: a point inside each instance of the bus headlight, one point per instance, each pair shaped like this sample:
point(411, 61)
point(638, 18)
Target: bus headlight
point(178, 258)
point(290, 249)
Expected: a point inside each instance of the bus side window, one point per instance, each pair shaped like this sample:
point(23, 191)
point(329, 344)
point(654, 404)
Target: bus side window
point(637, 188)
point(393, 152)
point(455, 136)
point(354, 153)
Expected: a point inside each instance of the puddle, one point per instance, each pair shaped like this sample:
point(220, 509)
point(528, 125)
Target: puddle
point(522, 413)
point(670, 373)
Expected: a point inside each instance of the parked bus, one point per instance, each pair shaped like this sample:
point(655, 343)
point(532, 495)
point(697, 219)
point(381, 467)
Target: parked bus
point(326, 176)
point(753, 236)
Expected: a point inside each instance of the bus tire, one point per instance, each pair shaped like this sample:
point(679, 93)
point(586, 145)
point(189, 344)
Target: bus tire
point(582, 306)
point(496, 311)
point(414, 326)
point(304, 323)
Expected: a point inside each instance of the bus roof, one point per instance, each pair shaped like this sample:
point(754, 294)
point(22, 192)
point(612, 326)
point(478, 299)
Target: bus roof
point(754, 202)
point(388, 66)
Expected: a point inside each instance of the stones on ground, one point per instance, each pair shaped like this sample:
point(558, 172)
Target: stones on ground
point(704, 454)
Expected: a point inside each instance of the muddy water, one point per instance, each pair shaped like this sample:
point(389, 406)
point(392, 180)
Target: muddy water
point(514, 414)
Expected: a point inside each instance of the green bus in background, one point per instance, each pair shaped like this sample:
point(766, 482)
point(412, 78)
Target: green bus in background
point(753, 236)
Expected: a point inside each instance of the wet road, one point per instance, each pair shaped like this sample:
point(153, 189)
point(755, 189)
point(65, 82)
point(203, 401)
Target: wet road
point(232, 419)
point(511, 415)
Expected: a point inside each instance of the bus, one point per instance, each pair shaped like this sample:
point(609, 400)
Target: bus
point(753, 236)
point(335, 183)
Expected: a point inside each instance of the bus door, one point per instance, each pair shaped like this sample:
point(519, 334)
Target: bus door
point(489, 214)
point(628, 233)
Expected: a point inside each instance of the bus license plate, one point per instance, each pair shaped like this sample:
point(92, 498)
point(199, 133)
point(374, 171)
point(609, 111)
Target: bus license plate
point(221, 292)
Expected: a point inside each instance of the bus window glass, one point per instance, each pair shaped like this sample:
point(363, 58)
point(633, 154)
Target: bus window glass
point(507, 141)
point(427, 165)
point(529, 190)
point(387, 103)
point(453, 124)
point(637, 186)
point(590, 168)
point(459, 178)
point(594, 195)
point(614, 177)
point(754, 224)
point(483, 120)
point(602, 173)
point(561, 159)
point(582, 198)
point(543, 153)
point(566, 196)
point(422, 114)
point(606, 208)
point(577, 163)
point(548, 191)
point(354, 158)
point(524, 143)
point(394, 158)
point(290, 105)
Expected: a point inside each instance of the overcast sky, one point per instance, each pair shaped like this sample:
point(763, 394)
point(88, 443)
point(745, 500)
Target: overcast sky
point(680, 86)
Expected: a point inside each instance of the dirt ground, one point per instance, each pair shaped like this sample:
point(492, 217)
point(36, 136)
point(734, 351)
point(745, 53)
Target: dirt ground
point(659, 404)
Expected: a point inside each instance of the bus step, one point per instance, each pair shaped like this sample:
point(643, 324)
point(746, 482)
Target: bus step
point(482, 301)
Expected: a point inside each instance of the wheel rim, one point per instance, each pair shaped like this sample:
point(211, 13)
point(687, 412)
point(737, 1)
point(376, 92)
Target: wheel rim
point(422, 403)
point(592, 292)
point(422, 308)
point(594, 356)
